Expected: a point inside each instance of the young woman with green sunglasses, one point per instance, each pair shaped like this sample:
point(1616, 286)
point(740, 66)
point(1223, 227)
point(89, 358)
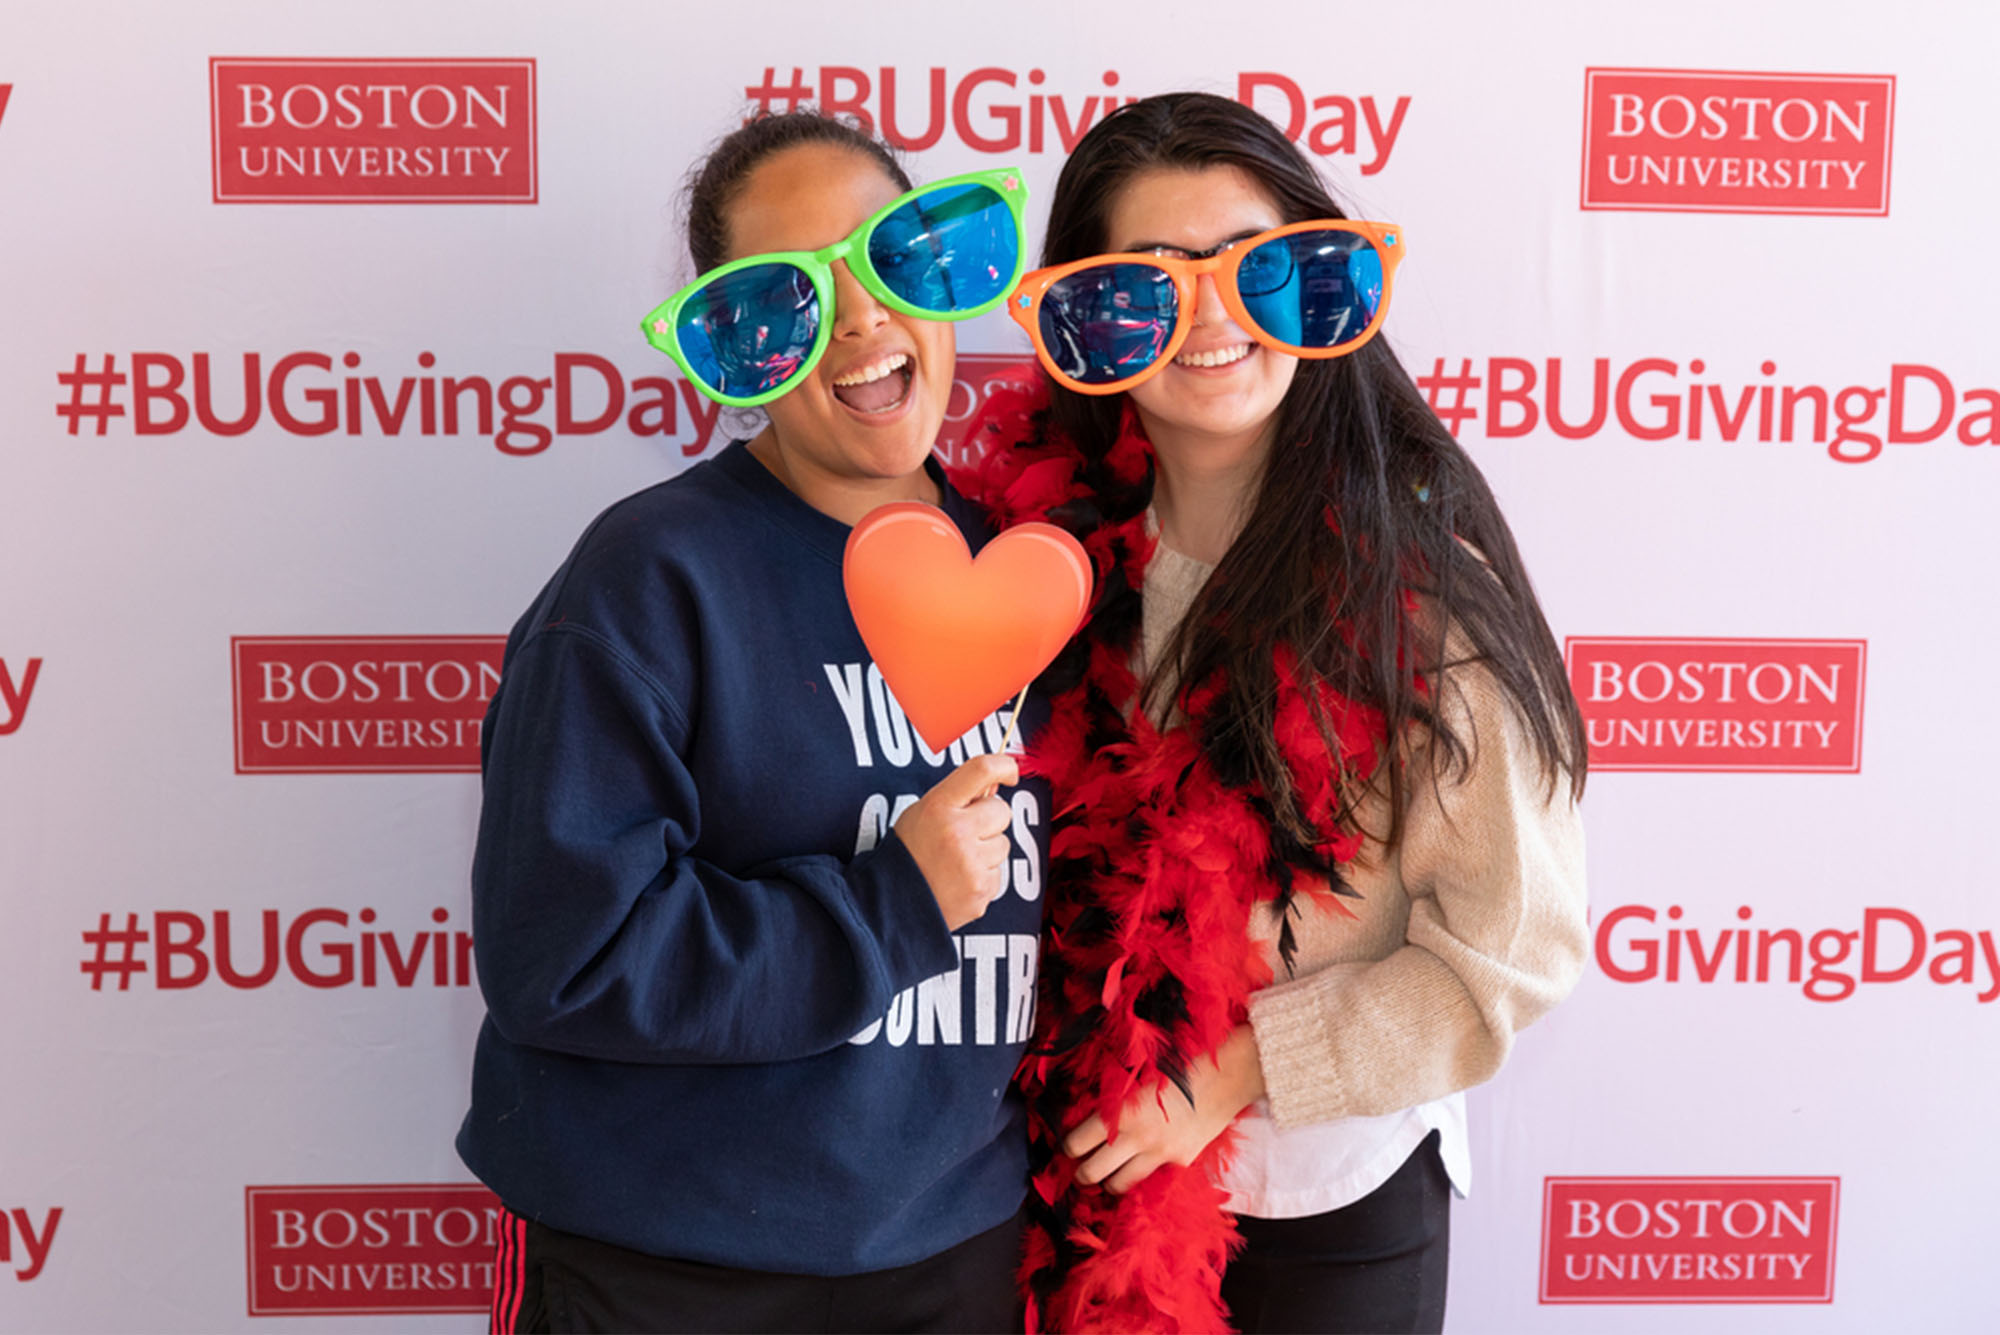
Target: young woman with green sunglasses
point(758, 962)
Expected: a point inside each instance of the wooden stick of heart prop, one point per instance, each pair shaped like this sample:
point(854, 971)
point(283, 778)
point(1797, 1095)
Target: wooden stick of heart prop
point(955, 637)
point(1013, 720)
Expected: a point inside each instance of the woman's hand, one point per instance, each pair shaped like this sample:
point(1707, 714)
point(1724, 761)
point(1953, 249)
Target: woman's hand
point(1158, 1127)
point(957, 832)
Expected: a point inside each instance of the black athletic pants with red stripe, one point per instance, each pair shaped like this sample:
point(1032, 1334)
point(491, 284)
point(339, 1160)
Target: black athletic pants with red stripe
point(547, 1280)
point(1374, 1266)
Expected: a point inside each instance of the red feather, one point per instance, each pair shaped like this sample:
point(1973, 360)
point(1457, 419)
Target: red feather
point(1176, 861)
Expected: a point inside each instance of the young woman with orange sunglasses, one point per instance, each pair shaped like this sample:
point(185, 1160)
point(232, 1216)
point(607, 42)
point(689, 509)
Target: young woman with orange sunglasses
point(1315, 754)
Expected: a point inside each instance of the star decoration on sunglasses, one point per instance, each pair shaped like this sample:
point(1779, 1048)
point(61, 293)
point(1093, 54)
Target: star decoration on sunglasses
point(745, 332)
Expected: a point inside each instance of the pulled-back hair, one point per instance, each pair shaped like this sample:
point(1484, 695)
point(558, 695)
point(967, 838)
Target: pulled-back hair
point(717, 179)
point(1365, 500)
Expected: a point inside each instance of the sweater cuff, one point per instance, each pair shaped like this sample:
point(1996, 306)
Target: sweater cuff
point(1290, 1022)
point(891, 896)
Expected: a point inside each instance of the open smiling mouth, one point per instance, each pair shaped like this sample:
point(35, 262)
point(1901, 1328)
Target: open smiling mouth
point(1226, 356)
point(881, 386)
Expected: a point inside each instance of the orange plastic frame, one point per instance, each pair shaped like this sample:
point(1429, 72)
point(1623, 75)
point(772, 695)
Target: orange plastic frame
point(1025, 305)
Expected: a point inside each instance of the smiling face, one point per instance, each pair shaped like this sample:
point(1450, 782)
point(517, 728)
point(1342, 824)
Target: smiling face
point(1222, 386)
point(854, 433)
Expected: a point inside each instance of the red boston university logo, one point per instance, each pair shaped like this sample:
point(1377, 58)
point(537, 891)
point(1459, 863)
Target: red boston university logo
point(391, 1250)
point(362, 704)
point(1688, 1239)
point(373, 131)
point(1790, 706)
point(1711, 142)
point(977, 376)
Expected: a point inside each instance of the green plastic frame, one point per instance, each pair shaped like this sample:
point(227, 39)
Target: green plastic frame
point(661, 325)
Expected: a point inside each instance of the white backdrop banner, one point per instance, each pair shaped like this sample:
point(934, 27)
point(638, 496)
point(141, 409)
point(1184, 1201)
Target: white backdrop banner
point(321, 347)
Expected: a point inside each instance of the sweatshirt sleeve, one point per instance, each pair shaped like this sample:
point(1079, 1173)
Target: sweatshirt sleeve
point(1493, 867)
point(597, 933)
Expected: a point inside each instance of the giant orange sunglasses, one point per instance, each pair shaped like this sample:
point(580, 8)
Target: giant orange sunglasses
point(1308, 289)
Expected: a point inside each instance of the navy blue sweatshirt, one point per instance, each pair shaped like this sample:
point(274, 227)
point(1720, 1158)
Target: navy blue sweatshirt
point(726, 1021)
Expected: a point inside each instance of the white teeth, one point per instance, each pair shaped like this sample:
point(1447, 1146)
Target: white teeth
point(1215, 356)
point(895, 361)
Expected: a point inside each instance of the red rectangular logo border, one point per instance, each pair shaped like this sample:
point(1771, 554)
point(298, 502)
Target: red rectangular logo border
point(236, 643)
point(1860, 696)
point(250, 1250)
point(1832, 1245)
point(1888, 146)
point(216, 64)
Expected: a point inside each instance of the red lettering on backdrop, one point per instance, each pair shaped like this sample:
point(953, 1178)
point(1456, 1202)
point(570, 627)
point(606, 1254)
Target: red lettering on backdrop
point(1650, 398)
point(302, 396)
point(1651, 401)
point(987, 112)
point(1895, 945)
point(320, 948)
point(15, 693)
point(1327, 125)
point(1901, 430)
point(19, 1222)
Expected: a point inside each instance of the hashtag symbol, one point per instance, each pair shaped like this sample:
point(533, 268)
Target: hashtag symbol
point(81, 382)
point(1437, 384)
point(769, 91)
point(104, 938)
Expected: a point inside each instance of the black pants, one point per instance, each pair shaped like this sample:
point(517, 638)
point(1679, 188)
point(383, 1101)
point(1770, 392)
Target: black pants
point(1375, 1266)
point(547, 1280)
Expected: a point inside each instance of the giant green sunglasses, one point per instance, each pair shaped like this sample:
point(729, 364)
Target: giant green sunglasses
point(747, 332)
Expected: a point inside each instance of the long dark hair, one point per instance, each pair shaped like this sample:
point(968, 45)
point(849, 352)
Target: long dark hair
point(714, 183)
point(1365, 500)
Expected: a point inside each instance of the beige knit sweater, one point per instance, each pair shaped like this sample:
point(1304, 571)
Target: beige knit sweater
point(1468, 930)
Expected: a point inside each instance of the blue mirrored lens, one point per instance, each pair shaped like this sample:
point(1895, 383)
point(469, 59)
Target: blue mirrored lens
point(751, 330)
point(1312, 289)
point(1109, 321)
point(949, 249)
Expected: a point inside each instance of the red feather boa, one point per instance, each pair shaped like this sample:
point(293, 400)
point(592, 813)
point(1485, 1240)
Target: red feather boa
point(1156, 866)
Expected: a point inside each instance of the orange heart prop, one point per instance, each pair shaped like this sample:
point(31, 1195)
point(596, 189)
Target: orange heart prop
point(953, 637)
